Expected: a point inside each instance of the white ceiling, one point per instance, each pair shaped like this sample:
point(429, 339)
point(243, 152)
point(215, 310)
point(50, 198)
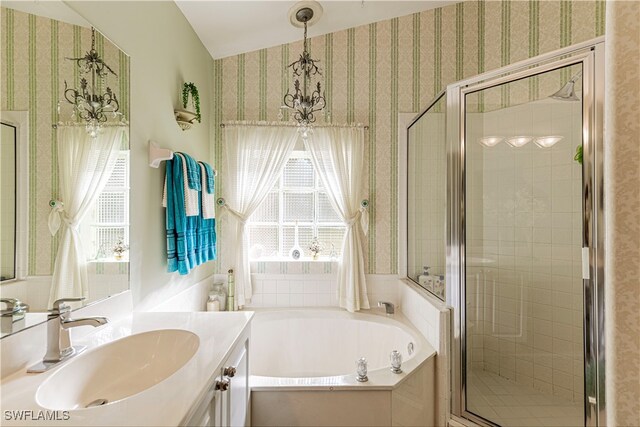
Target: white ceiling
point(236, 26)
point(54, 9)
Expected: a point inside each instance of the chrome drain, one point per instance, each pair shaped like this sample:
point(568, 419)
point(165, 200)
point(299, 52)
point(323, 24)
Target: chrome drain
point(97, 402)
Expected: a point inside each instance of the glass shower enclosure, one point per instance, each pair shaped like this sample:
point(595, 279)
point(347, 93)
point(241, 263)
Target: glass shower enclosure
point(525, 241)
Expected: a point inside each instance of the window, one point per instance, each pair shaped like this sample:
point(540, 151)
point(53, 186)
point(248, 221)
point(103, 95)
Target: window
point(108, 221)
point(297, 196)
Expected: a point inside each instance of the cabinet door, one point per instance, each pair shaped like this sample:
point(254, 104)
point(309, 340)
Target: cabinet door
point(238, 393)
point(216, 410)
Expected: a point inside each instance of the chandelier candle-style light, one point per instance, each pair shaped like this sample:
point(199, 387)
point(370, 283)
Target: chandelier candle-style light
point(89, 105)
point(307, 97)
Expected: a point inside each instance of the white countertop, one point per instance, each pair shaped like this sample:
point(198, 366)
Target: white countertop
point(166, 403)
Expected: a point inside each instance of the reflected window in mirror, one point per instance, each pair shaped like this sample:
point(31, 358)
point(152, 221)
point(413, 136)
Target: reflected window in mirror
point(106, 228)
point(426, 199)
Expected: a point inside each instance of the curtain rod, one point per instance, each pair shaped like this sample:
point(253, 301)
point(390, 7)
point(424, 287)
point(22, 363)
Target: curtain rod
point(57, 125)
point(287, 124)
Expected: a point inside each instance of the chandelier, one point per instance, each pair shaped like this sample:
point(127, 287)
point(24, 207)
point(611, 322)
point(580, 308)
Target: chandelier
point(89, 104)
point(307, 97)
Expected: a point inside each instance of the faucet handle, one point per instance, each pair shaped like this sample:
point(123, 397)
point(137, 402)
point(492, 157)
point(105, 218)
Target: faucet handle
point(59, 306)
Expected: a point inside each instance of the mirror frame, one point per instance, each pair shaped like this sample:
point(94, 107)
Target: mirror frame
point(20, 120)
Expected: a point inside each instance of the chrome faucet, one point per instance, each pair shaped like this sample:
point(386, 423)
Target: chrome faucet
point(389, 307)
point(13, 316)
point(59, 346)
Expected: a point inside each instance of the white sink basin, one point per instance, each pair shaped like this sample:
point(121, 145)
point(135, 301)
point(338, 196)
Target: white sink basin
point(117, 370)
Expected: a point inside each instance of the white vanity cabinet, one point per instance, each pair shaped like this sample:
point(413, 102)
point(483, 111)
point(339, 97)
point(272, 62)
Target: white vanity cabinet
point(226, 402)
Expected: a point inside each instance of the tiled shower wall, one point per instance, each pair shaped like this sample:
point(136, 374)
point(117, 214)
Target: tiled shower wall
point(524, 292)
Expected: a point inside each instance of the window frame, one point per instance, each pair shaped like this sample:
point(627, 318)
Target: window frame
point(281, 224)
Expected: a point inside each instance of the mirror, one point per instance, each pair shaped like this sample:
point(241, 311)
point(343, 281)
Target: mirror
point(426, 198)
point(36, 118)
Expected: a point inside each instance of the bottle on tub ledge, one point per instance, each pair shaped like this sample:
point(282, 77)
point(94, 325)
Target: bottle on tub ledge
point(425, 279)
point(231, 285)
point(217, 298)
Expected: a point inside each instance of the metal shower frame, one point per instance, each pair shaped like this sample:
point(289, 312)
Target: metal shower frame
point(591, 55)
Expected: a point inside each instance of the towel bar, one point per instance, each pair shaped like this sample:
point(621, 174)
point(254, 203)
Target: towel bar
point(158, 154)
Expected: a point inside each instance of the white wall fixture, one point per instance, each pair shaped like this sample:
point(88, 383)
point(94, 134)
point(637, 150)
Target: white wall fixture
point(547, 141)
point(519, 141)
point(490, 141)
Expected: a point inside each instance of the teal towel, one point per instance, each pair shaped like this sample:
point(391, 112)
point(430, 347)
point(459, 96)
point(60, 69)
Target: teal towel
point(193, 172)
point(210, 177)
point(191, 241)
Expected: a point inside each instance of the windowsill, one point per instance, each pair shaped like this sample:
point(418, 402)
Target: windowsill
point(109, 260)
point(282, 259)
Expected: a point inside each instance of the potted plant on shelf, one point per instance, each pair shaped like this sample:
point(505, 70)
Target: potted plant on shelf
point(185, 117)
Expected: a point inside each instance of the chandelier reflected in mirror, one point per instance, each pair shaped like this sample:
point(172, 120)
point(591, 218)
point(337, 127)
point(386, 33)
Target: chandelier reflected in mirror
point(307, 97)
point(90, 104)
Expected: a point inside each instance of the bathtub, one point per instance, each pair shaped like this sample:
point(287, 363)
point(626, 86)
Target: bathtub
point(303, 369)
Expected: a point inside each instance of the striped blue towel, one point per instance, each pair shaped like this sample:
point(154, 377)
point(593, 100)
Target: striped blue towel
point(181, 229)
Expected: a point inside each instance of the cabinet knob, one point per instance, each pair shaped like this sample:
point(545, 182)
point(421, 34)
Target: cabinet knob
point(229, 371)
point(222, 385)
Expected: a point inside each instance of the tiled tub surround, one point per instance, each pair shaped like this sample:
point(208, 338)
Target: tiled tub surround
point(309, 284)
point(307, 369)
point(425, 313)
point(524, 283)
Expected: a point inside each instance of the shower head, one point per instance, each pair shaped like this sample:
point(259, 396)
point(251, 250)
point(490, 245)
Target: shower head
point(568, 91)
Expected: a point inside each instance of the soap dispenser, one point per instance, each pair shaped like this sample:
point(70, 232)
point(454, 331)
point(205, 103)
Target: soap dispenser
point(425, 279)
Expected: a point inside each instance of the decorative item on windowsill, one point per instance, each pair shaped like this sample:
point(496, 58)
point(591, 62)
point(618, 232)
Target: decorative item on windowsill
point(315, 247)
point(184, 117)
point(333, 254)
point(120, 248)
point(307, 97)
point(90, 105)
point(296, 250)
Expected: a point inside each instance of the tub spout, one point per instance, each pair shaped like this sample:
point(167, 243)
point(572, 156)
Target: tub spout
point(389, 307)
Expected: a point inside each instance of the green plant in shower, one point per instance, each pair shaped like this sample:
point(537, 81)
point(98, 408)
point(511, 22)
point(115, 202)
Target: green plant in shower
point(578, 156)
point(189, 88)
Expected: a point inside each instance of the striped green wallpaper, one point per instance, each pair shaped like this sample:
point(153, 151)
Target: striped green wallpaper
point(373, 72)
point(32, 57)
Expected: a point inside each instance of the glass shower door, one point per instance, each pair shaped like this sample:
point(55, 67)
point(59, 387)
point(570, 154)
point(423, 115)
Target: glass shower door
point(523, 292)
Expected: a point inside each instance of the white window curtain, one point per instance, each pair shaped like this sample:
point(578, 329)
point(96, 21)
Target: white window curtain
point(255, 157)
point(337, 154)
point(84, 166)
